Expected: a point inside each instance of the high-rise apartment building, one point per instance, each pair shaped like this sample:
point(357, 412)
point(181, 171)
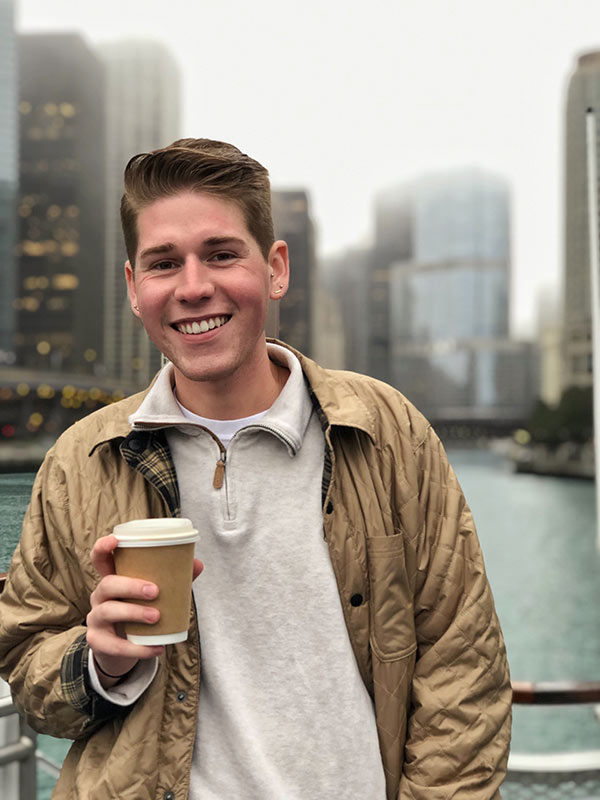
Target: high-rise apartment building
point(393, 242)
point(142, 113)
point(8, 176)
point(60, 243)
point(293, 223)
point(448, 303)
point(344, 280)
point(583, 92)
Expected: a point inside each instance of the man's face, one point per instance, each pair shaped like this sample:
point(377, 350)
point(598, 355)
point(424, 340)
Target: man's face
point(201, 287)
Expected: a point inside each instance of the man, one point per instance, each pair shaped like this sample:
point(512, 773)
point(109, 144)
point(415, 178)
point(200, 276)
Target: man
point(343, 641)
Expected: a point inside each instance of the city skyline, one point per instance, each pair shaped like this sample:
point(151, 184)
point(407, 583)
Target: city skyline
point(368, 97)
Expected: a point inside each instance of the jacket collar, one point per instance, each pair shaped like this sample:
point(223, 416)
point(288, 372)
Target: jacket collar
point(337, 402)
point(287, 418)
point(334, 395)
point(115, 425)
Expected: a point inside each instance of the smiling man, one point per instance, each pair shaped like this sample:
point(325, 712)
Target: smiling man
point(201, 285)
point(343, 641)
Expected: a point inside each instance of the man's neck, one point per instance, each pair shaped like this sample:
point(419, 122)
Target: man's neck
point(231, 398)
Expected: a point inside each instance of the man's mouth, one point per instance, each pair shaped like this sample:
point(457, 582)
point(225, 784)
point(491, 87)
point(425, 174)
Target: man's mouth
point(202, 326)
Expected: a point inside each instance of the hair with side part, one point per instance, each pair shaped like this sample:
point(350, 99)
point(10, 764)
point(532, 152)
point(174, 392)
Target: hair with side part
point(201, 165)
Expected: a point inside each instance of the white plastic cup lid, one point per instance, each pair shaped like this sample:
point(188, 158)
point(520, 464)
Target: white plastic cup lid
point(148, 530)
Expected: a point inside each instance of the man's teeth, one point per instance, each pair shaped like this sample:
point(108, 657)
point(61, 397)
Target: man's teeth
point(201, 327)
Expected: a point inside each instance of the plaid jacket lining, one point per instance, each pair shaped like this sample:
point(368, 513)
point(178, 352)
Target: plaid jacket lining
point(148, 453)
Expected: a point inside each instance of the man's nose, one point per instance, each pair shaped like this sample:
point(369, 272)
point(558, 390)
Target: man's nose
point(194, 281)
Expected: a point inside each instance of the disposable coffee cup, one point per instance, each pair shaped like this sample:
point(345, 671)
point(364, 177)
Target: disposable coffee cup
point(160, 551)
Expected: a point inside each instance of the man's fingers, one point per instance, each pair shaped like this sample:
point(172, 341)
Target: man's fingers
point(198, 567)
point(112, 612)
point(105, 627)
point(113, 587)
point(104, 643)
point(102, 555)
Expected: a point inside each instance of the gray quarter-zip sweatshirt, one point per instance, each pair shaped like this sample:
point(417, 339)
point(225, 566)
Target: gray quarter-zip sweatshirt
point(283, 712)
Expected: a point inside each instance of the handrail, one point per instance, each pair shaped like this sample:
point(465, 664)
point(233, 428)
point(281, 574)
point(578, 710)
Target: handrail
point(553, 693)
point(22, 751)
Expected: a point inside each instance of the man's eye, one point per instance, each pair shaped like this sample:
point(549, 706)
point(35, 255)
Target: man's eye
point(223, 257)
point(162, 265)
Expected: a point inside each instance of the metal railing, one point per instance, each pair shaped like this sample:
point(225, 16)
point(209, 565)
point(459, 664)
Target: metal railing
point(555, 693)
point(22, 751)
point(555, 776)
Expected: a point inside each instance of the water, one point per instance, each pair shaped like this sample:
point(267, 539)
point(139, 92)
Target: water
point(539, 542)
point(538, 538)
point(15, 490)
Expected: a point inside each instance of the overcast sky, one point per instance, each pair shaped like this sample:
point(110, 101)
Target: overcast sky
point(346, 97)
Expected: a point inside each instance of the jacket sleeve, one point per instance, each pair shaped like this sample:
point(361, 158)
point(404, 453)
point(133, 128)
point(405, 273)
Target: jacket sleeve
point(459, 728)
point(43, 650)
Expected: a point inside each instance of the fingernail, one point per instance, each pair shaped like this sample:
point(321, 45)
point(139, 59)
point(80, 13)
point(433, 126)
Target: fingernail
point(149, 590)
point(151, 615)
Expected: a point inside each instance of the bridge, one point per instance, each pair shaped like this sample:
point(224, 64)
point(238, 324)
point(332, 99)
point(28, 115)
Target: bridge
point(36, 406)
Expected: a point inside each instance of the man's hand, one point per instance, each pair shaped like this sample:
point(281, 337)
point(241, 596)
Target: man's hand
point(113, 603)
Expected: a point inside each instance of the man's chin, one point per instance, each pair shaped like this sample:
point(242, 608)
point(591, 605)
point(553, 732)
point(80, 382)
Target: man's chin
point(204, 374)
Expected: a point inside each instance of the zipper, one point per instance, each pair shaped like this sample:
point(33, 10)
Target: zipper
point(220, 474)
point(220, 470)
point(220, 477)
point(261, 426)
point(221, 464)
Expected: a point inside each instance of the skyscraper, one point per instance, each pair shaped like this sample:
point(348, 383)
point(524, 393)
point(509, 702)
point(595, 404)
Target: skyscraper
point(8, 176)
point(142, 113)
point(344, 280)
point(61, 203)
point(393, 242)
point(583, 92)
point(448, 318)
point(293, 223)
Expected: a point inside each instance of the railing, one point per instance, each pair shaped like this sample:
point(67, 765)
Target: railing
point(558, 776)
point(21, 751)
point(555, 694)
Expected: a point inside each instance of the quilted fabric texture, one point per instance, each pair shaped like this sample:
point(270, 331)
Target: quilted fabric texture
point(402, 541)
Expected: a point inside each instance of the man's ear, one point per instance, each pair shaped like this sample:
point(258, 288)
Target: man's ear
point(129, 277)
point(279, 264)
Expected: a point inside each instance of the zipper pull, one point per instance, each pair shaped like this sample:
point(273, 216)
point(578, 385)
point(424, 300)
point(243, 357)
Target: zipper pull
point(219, 471)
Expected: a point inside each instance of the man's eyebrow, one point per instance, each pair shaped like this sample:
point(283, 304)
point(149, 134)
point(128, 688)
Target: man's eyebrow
point(211, 241)
point(159, 248)
point(217, 241)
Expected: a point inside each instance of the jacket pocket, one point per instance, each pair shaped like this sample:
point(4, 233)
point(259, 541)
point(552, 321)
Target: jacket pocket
point(391, 603)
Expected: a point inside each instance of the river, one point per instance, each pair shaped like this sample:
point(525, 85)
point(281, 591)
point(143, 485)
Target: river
point(539, 542)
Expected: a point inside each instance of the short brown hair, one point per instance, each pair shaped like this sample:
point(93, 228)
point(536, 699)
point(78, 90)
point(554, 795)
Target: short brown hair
point(202, 165)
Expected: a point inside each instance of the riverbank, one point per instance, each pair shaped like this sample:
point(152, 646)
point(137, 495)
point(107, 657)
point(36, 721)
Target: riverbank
point(568, 460)
point(23, 456)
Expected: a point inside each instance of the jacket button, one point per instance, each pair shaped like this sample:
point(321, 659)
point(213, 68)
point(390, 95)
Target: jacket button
point(329, 508)
point(136, 445)
point(168, 796)
point(356, 600)
point(181, 696)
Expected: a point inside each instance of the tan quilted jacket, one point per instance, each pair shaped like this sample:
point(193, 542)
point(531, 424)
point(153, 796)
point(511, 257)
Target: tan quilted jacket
point(412, 584)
